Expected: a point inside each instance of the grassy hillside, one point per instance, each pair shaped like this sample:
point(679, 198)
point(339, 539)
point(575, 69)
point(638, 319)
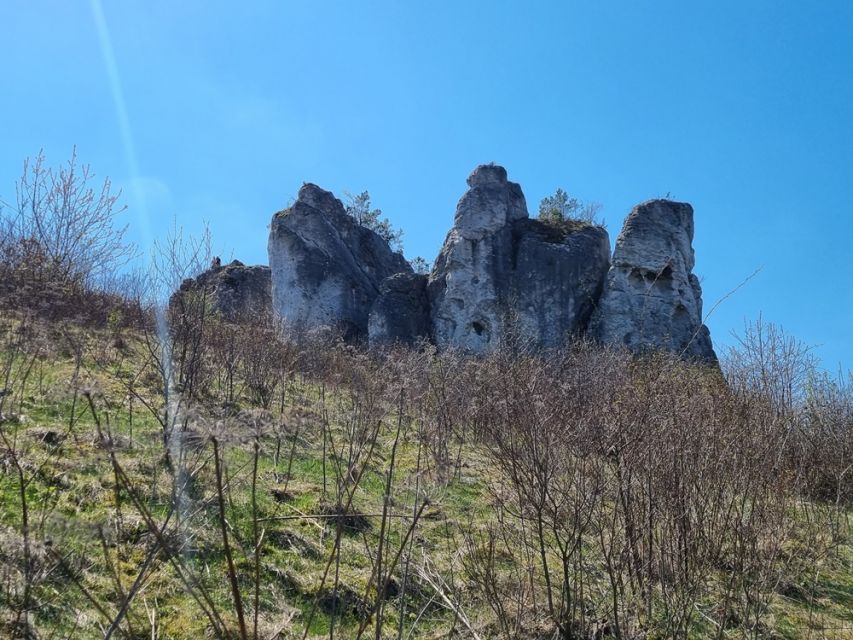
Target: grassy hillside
point(221, 483)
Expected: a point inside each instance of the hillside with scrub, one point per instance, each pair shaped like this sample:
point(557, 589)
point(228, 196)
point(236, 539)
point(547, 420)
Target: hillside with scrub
point(227, 484)
point(169, 472)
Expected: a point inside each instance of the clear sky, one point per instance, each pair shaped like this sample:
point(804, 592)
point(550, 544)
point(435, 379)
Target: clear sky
point(219, 111)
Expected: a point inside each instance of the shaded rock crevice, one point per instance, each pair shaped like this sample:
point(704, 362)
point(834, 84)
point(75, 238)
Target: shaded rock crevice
point(400, 314)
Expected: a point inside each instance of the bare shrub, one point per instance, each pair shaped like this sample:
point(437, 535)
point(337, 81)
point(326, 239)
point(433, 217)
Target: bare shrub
point(574, 493)
point(62, 229)
point(61, 247)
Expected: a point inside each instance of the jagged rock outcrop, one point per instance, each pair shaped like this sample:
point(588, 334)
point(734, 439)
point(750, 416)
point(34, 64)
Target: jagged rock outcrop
point(652, 299)
point(499, 274)
point(326, 268)
point(500, 271)
point(401, 312)
point(237, 292)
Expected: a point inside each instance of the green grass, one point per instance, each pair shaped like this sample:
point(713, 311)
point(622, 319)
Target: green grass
point(74, 503)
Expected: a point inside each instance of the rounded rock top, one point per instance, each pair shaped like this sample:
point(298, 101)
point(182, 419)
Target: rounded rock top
point(487, 174)
point(314, 196)
point(666, 203)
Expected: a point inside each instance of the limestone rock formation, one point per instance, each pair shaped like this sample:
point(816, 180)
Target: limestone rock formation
point(237, 292)
point(652, 299)
point(326, 268)
point(499, 271)
point(401, 312)
point(499, 274)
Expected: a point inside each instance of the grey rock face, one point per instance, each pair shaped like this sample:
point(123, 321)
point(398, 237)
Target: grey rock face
point(498, 268)
point(401, 312)
point(326, 269)
point(499, 274)
point(237, 292)
point(557, 279)
point(652, 300)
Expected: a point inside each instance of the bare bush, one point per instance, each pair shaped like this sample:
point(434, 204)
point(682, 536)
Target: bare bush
point(61, 246)
point(572, 493)
point(63, 229)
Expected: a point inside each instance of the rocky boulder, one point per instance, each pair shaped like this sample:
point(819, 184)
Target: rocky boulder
point(237, 292)
point(400, 315)
point(499, 271)
point(652, 299)
point(326, 268)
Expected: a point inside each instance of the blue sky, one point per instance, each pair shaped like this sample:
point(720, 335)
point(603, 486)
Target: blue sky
point(219, 111)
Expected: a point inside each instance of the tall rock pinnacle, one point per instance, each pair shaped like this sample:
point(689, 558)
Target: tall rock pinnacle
point(652, 300)
point(500, 272)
